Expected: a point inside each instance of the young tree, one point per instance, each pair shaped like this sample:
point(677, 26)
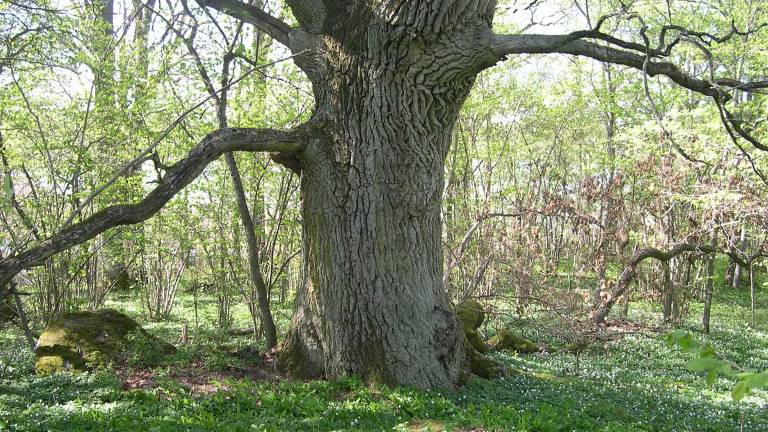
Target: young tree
point(389, 79)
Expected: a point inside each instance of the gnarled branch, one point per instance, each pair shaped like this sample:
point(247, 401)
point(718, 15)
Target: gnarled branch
point(503, 45)
point(630, 270)
point(176, 178)
point(634, 55)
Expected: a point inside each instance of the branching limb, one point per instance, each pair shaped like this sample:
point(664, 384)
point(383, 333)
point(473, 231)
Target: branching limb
point(640, 56)
point(141, 157)
point(630, 270)
point(731, 124)
point(503, 45)
point(176, 178)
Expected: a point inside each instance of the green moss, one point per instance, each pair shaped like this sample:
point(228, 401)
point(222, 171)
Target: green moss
point(474, 339)
point(483, 366)
point(574, 348)
point(471, 314)
point(49, 364)
point(79, 339)
point(505, 339)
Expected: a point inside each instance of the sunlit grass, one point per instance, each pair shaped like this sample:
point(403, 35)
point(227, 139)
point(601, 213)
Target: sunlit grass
point(635, 384)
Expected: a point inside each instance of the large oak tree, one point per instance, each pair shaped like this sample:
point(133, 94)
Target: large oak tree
point(389, 78)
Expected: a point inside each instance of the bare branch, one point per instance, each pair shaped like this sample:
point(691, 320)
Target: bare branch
point(459, 253)
point(503, 45)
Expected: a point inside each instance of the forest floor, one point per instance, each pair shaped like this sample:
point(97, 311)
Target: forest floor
point(215, 382)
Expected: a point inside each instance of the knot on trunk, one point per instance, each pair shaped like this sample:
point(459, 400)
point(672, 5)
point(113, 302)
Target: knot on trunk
point(288, 160)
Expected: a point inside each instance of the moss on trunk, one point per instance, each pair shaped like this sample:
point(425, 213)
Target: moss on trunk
point(471, 316)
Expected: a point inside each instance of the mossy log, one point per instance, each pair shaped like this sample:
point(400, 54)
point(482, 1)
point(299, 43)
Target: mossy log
point(80, 339)
point(506, 340)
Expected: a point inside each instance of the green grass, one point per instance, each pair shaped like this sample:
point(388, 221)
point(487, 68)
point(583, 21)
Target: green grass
point(636, 384)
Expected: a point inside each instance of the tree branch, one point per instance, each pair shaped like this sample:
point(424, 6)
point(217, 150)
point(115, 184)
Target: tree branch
point(601, 311)
point(176, 178)
point(275, 28)
point(502, 45)
point(139, 159)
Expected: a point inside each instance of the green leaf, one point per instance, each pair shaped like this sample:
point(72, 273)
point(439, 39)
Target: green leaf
point(687, 343)
point(725, 369)
point(758, 380)
point(707, 351)
point(711, 377)
point(701, 364)
point(739, 391)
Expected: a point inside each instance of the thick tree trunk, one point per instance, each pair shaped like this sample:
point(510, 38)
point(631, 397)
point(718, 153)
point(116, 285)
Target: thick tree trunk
point(374, 304)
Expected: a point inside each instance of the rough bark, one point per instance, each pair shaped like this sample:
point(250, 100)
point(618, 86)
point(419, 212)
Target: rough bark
point(389, 89)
